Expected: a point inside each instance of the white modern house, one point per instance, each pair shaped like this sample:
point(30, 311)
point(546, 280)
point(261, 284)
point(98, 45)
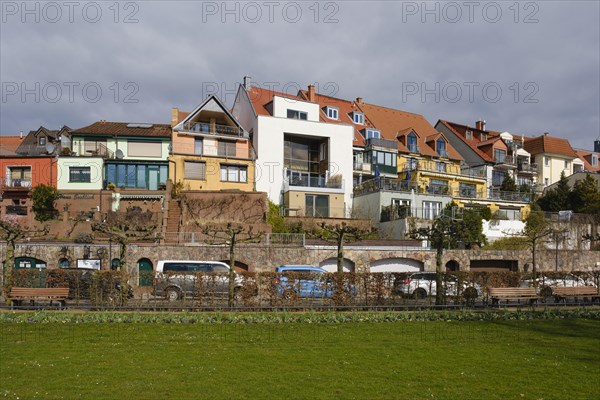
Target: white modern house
point(303, 163)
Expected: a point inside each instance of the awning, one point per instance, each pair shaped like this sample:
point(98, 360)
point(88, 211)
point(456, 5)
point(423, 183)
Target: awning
point(141, 197)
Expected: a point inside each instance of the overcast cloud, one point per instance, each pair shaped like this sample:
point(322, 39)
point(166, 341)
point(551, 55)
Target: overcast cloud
point(544, 56)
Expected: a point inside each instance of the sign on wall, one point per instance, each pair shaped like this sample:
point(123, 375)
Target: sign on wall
point(89, 263)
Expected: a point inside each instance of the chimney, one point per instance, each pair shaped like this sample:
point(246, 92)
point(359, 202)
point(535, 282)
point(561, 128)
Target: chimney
point(247, 82)
point(174, 116)
point(359, 100)
point(597, 146)
point(480, 125)
point(546, 133)
point(21, 135)
point(311, 93)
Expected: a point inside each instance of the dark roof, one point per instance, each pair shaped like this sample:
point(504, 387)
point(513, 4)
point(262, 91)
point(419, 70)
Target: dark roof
point(105, 128)
point(30, 144)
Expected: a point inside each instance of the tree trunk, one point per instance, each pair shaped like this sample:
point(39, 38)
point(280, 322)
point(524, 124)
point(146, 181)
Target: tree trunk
point(440, 298)
point(123, 272)
point(340, 253)
point(231, 300)
point(534, 268)
point(8, 267)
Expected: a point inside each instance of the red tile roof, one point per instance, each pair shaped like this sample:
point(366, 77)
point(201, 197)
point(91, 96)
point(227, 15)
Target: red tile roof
point(460, 131)
point(9, 145)
point(549, 144)
point(345, 108)
point(261, 97)
point(393, 123)
point(106, 128)
point(586, 157)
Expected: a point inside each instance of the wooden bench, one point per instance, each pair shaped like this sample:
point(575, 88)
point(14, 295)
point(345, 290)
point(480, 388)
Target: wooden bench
point(561, 293)
point(513, 293)
point(18, 294)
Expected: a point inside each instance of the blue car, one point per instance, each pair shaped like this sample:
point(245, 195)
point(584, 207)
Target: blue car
point(307, 281)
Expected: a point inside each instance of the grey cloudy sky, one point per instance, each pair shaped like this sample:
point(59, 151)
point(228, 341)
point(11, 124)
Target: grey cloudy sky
point(525, 67)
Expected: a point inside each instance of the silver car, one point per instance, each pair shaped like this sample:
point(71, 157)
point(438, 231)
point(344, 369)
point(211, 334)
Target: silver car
point(423, 284)
point(176, 279)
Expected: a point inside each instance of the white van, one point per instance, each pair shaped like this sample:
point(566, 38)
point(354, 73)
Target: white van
point(178, 278)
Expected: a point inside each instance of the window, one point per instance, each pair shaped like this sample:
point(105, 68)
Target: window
point(93, 147)
point(438, 186)
point(594, 160)
point(412, 164)
point(509, 214)
point(483, 137)
point(441, 148)
point(567, 164)
point(234, 173)
point(139, 148)
point(499, 155)
point(198, 146)
point(467, 190)
point(412, 143)
point(440, 166)
point(316, 205)
point(80, 174)
point(42, 140)
point(294, 114)
point(358, 118)
point(547, 161)
point(469, 135)
point(497, 177)
point(226, 149)
point(373, 133)
point(140, 176)
point(332, 113)
point(19, 176)
point(431, 209)
point(194, 170)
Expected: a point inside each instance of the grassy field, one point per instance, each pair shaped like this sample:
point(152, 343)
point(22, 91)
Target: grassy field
point(556, 359)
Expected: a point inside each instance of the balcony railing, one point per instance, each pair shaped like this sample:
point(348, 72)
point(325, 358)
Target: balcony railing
point(212, 129)
point(443, 153)
point(505, 161)
point(390, 144)
point(527, 168)
point(414, 149)
point(16, 210)
point(399, 185)
point(314, 181)
point(17, 183)
point(385, 169)
point(95, 150)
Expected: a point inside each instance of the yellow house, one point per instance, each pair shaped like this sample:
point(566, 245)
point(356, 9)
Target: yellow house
point(210, 149)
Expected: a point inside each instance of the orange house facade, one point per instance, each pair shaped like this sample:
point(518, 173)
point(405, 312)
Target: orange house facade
point(18, 175)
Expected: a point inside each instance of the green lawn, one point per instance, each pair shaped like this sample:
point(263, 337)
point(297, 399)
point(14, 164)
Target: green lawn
point(543, 359)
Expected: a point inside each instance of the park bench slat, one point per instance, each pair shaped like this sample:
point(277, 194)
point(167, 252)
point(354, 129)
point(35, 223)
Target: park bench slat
point(18, 294)
point(497, 294)
point(575, 291)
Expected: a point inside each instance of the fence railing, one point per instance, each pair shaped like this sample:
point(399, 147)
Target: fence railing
point(149, 289)
point(200, 238)
point(212, 129)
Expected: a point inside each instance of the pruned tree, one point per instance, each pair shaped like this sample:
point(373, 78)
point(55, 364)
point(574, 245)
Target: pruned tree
point(124, 228)
point(340, 233)
point(230, 235)
point(13, 231)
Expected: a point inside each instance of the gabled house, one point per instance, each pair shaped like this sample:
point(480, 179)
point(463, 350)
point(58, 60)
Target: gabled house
point(553, 155)
point(210, 149)
point(45, 141)
point(116, 154)
point(302, 162)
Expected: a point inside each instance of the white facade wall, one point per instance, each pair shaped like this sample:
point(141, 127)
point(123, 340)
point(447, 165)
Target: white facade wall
point(96, 173)
point(122, 144)
point(282, 104)
point(269, 142)
point(554, 168)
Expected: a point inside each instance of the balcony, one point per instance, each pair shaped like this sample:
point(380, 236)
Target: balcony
point(94, 150)
point(305, 181)
point(526, 169)
point(505, 163)
point(385, 170)
point(362, 167)
point(17, 184)
point(376, 142)
point(384, 184)
point(212, 129)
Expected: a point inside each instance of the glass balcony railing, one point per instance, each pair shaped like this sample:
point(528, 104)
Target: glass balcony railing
point(212, 129)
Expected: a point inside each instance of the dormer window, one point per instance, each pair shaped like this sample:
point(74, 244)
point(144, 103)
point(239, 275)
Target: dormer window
point(42, 141)
point(412, 143)
point(469, 135)
point(295, 114)
point(483, 137)
point(358, 118)
point(373, 134)
point(441, 148)
point(332, 112)
point(594, 160)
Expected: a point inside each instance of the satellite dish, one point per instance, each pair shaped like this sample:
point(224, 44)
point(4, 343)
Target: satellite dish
point(119, 154)
point(49, 148)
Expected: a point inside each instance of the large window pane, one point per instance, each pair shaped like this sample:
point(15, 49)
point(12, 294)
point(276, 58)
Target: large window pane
point(131, 176)
point(111, 173)
point(164, 174)
point(141, 177)
point(121, 174)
